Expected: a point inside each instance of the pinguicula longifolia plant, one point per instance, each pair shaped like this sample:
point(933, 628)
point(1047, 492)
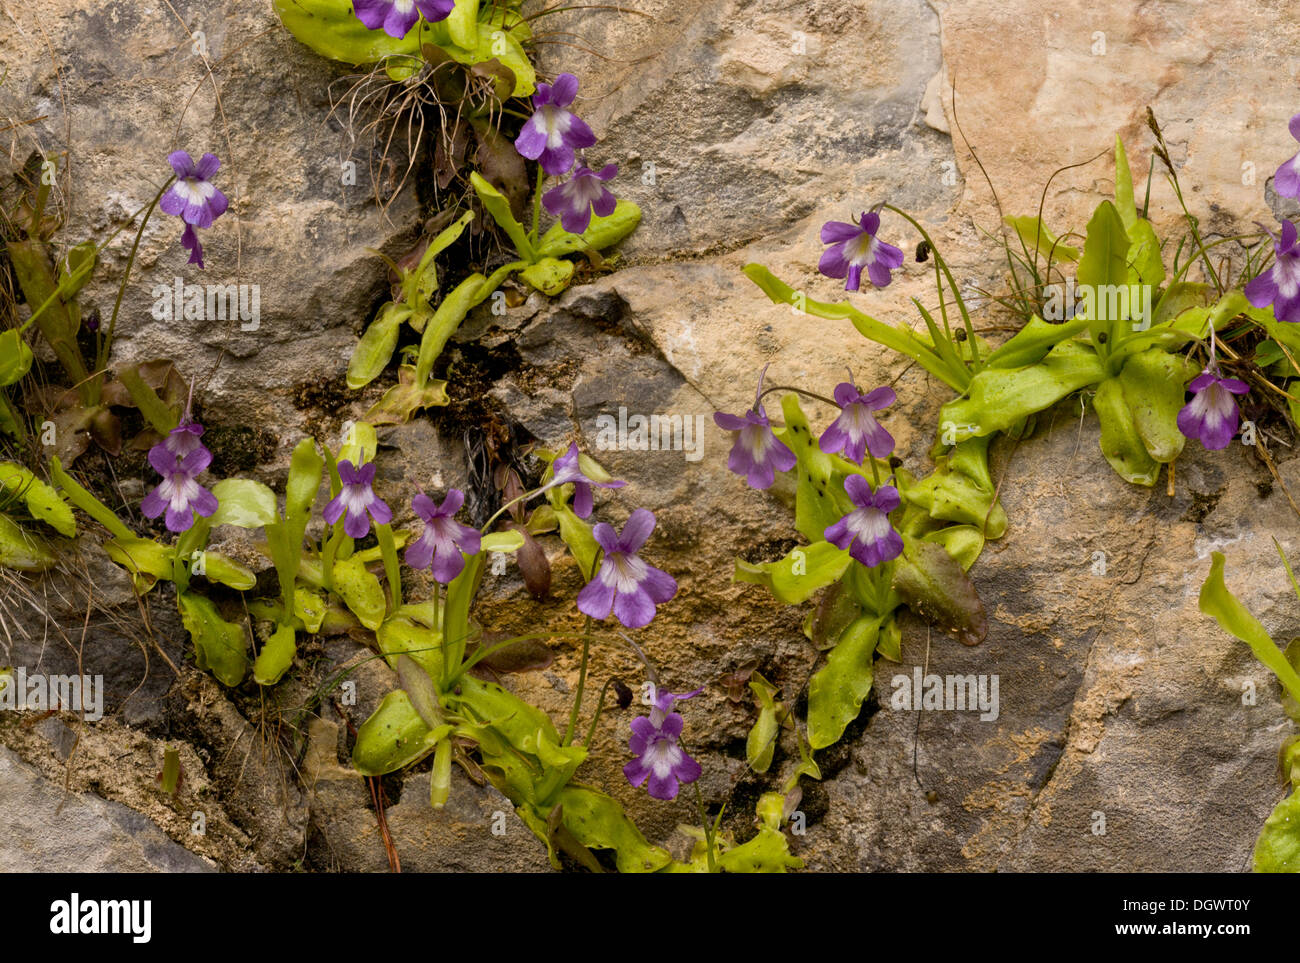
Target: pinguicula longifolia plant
point(414, 43)
point(868, 550)
point(526, 756)
point(50, 286)
point(1278, 848)
point(1117, 331)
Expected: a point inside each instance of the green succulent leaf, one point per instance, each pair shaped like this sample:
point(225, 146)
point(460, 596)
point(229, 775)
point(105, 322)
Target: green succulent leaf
point(760, 746)
point(376, 347)
point(815, 507)
point(276, 656)
point(935, 587)
point(497, 205)
point(577, 534)
point(43, 502)
point(310, 609)
point(243, 503)
point(1144, 253)
point(549, 275)
point(1037, 239)
point(801, 574)
point(401, 637)
point(219, 646)
point(601, 234)
point(394, 737)
point(404, 399)
point(15, 357)
point(1120, 442)
point(332, 29)
point(1104, 265)
point(961, 488)
point(998, 399)
point(360, 591)
point(837, 690)
point(599, 822)
point(146, 560)
point(1278, 848)
point(88, 503)
point(21, 550)
point(361, 443)
point(1153, 384)
point(446, 319)
point(499, 37)
point(507, 541)
point(1219, 603)
point(1031, 343)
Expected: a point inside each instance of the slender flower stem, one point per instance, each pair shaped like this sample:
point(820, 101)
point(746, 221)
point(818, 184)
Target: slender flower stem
point(327, 555)
point(798, 391)
point(537, 203)
point(506, 507)
point(708, 827)
point(952, 283)
point(104, 344)
point(582, 684)
point(482, 653)
point(600, 707)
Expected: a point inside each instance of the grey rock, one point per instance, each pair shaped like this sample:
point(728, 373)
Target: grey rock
point(43, 829)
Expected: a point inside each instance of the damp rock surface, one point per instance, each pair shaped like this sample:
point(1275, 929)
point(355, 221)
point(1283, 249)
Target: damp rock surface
point(1121, 740)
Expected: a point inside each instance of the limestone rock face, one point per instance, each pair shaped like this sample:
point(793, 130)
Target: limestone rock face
point(1121, 740)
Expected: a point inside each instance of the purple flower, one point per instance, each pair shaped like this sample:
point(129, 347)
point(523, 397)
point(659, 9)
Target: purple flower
point(178, 494)
point(1212, 416)
point(439, 546)
point(1280, 284)
point(568, 468)
point(866, 531)
point(856, 430)
point(574, 200)
point(552, 134)
point(855, 246)
point(194, 198)
point(1287, 179)
point(626, 584)
point(183, 439)
point(660, 758)
point(397, 17)
point(358, 500)
point(757, 455)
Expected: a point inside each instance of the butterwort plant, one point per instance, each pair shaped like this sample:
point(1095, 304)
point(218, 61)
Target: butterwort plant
point(869, 549)
point(443, 703)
